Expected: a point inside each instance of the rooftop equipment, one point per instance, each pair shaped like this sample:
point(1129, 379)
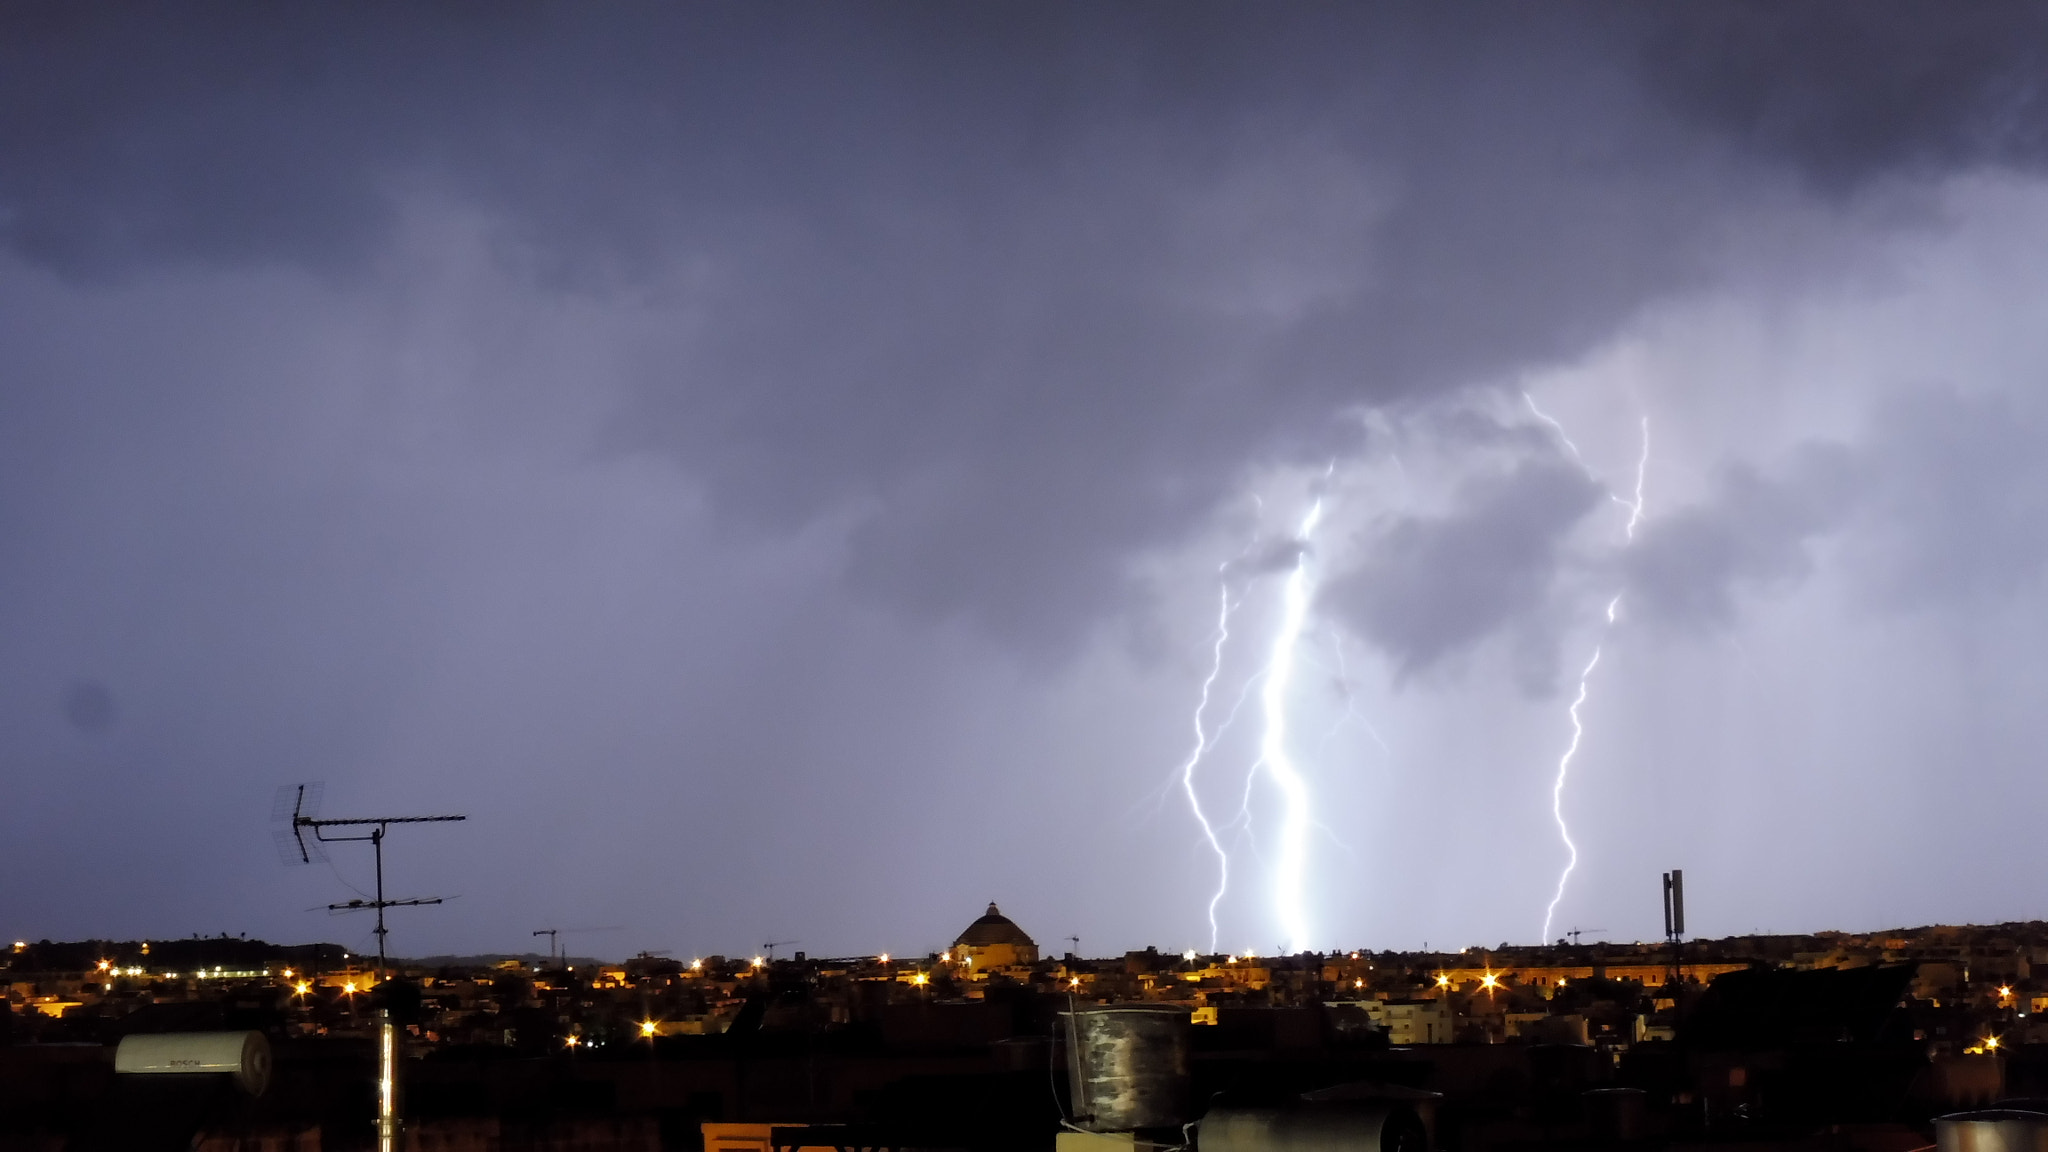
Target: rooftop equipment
point(297, 848)
point(243, 1057)
point(1997, 1130)
point(1335, 1126)
point(1127, 1065)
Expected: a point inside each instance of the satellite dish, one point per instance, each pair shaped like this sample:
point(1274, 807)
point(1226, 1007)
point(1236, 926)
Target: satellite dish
point(296, 805)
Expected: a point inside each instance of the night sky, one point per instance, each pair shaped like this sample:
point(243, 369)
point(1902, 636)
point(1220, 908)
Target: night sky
point(780, 468)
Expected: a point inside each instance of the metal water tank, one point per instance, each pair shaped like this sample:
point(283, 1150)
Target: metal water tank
point(1349, 1126)
point(244, 1056)
point(1128, 1066)
point(1994, 1130)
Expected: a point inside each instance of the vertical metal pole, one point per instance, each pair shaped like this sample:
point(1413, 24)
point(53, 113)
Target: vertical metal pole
point(387, 1082)
point(377, 844)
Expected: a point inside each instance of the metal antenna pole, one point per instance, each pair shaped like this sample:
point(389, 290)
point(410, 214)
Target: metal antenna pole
point(377, 849)
point(379, 826)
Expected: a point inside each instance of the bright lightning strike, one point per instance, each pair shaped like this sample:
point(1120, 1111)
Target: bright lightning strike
point(1275, 681)
point(1564, 763)
point(1202, 739)
point(1274, 755)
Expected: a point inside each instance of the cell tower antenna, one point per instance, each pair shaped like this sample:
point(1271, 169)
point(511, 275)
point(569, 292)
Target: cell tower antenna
point(305, 801)
point(1674, 921)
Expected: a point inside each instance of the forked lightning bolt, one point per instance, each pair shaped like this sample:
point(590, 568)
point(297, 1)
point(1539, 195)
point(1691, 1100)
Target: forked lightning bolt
point(1274, 754)
point(1202, 738)
point(1564, 763)
point(1275, 681)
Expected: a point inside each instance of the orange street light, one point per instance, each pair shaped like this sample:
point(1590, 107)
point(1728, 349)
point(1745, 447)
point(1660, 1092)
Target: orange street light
point(920, 979)
point(648, 1028)
point(302, 987)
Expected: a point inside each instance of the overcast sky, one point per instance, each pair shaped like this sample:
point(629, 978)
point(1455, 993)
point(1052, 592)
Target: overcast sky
point(778, 469)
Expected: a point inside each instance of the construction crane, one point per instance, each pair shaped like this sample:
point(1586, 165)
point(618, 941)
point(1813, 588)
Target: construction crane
point(554, 937)
point(769, 948)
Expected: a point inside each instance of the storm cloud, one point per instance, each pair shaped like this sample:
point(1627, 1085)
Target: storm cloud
point(717, 434)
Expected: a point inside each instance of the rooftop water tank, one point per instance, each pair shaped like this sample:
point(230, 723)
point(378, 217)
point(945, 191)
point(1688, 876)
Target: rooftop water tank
point(1128, 1066)
point(243, 1056)
point(1994, 1130)
point(1337, 1126)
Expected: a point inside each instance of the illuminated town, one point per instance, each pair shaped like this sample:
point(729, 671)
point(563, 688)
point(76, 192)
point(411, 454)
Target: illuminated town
point(1833, 1040)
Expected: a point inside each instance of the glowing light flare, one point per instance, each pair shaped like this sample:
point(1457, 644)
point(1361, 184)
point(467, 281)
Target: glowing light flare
point(1443, 981)
point(1489, 982)
point(920, 979)
point(649, 1028)
point(302, 987)
point(883, 958)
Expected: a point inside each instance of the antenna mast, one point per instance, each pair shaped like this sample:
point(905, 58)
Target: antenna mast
point(378, 825)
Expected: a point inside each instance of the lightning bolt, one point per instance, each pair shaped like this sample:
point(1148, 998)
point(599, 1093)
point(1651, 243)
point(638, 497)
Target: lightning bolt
point(1274, 755)
point(1275, 682)
point(1202, 739)
point(1564, 763)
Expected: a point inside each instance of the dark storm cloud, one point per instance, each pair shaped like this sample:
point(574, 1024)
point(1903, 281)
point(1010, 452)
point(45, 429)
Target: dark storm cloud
point(491, 406)
point(1848, 92)
point(1431, 588)
point(1028, 283)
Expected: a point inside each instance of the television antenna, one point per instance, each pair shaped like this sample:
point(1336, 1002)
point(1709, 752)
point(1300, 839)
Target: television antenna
point(304, 801)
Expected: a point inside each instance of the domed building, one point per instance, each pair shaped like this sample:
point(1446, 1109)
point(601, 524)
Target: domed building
point(995, 941)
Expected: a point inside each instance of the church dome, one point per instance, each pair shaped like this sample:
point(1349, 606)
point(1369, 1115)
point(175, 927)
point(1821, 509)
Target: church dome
point(994, 928)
